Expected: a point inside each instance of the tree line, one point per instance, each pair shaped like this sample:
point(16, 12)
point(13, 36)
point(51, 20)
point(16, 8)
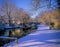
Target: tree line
point(50, 15)
point(10, 13)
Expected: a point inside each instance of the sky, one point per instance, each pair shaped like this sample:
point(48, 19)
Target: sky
point(25, 4)
point(20, 3)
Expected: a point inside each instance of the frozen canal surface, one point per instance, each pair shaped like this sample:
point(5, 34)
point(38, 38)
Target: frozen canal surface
point(43, 37)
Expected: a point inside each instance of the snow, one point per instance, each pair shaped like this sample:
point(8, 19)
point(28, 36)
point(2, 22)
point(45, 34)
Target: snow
point(43, 37)
point(5, 37)
point(54, 40)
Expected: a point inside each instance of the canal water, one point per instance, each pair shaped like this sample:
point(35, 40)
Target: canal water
point(17, 33)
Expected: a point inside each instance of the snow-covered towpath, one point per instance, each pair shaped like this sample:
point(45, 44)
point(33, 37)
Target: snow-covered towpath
point(43, 37)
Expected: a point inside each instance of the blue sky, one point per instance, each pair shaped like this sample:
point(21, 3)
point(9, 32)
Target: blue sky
point(20, 3)
point(25, 4)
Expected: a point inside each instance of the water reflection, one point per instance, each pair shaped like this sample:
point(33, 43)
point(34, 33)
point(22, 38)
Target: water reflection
point(14, 32)
point(9, 35)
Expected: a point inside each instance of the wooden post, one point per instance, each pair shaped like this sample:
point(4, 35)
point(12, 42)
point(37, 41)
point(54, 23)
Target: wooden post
point(16, 41)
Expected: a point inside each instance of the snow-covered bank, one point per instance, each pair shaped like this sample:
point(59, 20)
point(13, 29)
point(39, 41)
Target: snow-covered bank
point(43, 37)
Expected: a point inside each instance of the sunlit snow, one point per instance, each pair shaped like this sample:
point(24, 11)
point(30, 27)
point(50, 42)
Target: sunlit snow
point(43, 37)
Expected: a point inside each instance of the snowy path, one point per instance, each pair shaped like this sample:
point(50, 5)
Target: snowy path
point(43, 37)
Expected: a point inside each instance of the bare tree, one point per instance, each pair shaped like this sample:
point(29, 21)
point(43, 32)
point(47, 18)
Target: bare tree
point(21, 16)
point(13, 14)
point(36, 4)
point(25, 16)
point(58, 2)
point(7, 9)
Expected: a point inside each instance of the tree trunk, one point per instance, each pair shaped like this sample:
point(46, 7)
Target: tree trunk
point(58, 1)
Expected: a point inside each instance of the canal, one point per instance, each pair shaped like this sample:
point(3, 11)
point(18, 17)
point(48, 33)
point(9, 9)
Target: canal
point(13, 32)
